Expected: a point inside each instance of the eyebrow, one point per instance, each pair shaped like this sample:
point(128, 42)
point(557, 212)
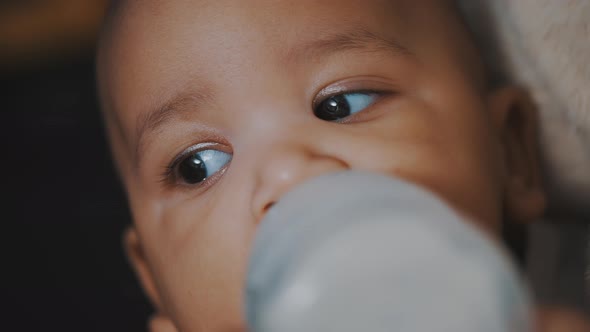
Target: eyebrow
point(149, 123)
point(356, 38)
point(190, 101)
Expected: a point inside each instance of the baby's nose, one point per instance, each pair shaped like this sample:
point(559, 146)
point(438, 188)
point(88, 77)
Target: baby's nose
point(285, 166)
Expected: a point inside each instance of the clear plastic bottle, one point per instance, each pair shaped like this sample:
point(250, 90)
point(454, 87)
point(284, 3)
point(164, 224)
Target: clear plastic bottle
point(356, 251)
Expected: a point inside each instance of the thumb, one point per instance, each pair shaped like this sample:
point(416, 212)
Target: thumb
point(160, 323)
point(560, 320)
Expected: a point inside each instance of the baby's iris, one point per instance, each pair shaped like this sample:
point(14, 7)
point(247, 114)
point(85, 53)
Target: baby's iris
point(202, 164)
point(343, 105)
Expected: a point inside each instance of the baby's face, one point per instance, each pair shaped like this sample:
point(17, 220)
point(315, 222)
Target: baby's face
point(216, 108)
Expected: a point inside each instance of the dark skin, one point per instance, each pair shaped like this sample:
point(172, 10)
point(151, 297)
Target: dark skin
point(242, 89)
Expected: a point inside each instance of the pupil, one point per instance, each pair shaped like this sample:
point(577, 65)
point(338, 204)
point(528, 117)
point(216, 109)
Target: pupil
point(193, 170)
point(334, 108)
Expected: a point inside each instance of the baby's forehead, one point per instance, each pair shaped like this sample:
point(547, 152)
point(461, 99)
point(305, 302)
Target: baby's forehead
point(153, 49)
point(132, 21)
point(159, 36)
point(154, 38)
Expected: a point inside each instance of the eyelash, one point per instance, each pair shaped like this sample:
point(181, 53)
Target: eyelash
point(379, 93)
point(169, 176)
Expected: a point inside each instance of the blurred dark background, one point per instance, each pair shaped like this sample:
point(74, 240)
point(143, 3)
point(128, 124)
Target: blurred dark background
point(63, 268)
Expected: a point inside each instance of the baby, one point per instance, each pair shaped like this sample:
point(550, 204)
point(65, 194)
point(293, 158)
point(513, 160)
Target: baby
point(215, 109)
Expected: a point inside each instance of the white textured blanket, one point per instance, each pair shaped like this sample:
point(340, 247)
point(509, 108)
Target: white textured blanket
point(545, 46)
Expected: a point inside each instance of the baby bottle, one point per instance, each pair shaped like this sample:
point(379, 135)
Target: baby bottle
point(354, 251)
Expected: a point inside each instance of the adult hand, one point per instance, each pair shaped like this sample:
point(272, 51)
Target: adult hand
point(560, 320)
point(161, 323)
point(549, 320)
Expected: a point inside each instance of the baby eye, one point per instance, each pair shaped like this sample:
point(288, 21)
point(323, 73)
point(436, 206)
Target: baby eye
point(200, 165)
point(342, 105)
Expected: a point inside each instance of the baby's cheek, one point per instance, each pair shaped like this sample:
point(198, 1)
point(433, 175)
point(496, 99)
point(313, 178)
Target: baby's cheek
point(450, 170)
point(205, 287)
point(413, 140)
point(471, 194)
point(198, 251)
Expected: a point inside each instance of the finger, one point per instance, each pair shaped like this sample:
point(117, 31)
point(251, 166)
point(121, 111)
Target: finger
point(159, 323)
point(559, 320)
